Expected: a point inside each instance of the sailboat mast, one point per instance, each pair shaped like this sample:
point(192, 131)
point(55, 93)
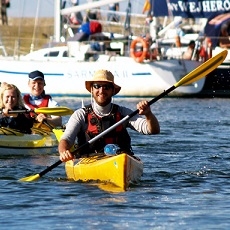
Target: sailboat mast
point(35, 26)
point(57, 20)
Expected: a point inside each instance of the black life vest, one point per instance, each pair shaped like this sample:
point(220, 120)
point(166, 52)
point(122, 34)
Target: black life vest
point(96, 125)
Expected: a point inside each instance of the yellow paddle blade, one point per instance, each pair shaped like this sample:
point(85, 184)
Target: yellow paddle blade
point(58, 133)
point(58, 111)
point(30, 178)
point(203, 69)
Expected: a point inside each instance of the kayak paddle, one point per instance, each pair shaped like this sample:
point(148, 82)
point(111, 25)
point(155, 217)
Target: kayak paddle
point(58, 111)
point(195, 75)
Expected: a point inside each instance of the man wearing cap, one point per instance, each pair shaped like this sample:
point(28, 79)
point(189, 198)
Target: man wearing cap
point(37, 98)
point(88, 122)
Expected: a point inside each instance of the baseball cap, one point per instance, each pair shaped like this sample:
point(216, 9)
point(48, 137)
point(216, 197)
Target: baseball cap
point(36, 75)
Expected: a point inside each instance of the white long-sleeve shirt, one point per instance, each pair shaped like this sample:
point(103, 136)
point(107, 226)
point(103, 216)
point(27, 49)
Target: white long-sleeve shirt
point(77, 123)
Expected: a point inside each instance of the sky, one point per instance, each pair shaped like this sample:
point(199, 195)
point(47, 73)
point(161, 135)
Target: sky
point(28, 8)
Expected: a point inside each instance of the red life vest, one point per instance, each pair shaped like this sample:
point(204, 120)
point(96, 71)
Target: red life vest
point(96, 125)
point(45, 102)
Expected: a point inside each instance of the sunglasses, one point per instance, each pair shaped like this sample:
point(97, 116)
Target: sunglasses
point(105, 86)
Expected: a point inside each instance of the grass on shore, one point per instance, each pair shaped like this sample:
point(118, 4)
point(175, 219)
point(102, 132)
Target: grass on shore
point(20, 34)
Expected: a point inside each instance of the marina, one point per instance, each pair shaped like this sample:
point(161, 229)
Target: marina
point(177, 179)
point(75, 61)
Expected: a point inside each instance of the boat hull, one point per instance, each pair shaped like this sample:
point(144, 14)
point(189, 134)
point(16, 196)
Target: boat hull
point(119, 170)
point(217, 83)
point(146, 79)
point(16, 143)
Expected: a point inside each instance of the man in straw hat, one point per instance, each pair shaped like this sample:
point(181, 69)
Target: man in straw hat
point(88, 122)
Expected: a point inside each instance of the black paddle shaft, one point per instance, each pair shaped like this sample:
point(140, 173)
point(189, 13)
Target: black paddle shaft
point(21, 111)
point(76, 152)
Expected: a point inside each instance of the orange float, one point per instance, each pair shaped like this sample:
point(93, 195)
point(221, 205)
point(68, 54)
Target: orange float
point(141, 55)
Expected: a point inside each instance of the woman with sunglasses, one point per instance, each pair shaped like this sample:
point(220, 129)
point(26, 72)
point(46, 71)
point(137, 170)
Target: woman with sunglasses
point(102, 113)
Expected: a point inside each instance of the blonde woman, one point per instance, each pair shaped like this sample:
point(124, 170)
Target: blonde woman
point(10, 99)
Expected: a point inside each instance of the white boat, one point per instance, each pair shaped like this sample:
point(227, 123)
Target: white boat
point(66, 70)
point(66, 76)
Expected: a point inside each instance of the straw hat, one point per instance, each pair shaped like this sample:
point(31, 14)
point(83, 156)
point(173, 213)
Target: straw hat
point(102, 75)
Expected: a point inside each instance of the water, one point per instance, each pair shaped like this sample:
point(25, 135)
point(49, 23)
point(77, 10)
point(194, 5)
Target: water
point(185, 183)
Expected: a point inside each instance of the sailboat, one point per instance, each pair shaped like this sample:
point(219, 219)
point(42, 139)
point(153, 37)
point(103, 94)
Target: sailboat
point(67, 68)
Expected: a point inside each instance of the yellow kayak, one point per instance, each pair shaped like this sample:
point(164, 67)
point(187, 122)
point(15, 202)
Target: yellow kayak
point(13, 142)
point(119, 170)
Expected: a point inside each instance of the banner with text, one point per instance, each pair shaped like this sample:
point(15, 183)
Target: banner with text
point(189, 8)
